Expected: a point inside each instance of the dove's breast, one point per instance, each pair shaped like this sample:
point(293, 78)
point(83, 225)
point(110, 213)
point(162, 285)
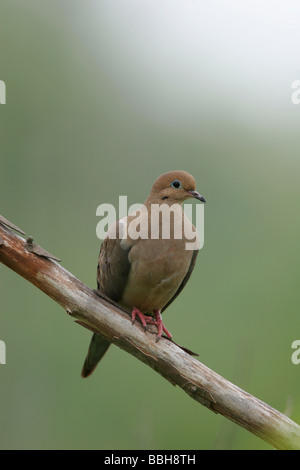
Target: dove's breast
point(157, 269)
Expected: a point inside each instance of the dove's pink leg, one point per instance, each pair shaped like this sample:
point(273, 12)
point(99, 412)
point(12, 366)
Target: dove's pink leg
point(160, 326)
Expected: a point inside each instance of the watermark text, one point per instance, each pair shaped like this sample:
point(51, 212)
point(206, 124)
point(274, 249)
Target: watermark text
point(155, 221)
point(296, 354)
point(2, 352)
point(296, 94)
point(2, 92)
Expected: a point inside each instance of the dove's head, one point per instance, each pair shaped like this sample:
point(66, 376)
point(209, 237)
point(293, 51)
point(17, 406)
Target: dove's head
point(174, 187)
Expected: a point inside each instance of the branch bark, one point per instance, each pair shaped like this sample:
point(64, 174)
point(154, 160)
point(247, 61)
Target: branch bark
point(168, 359)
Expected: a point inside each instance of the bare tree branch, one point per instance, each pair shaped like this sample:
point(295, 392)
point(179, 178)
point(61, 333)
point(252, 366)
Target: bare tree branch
point(165, 357)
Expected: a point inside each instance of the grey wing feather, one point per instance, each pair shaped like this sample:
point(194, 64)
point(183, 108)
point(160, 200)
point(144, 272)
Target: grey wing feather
point(113, 269)
point(112, 274)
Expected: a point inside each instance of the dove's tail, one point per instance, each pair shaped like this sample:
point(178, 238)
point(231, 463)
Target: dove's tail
point(98, 347)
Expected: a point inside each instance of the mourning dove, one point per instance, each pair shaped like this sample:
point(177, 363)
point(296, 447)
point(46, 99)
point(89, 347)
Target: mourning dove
point(142, 266)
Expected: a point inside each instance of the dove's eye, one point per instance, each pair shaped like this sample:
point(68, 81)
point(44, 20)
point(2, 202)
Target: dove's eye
point(176, 184)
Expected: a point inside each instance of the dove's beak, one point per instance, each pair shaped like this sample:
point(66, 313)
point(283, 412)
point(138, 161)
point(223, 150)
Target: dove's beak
point(197, 196)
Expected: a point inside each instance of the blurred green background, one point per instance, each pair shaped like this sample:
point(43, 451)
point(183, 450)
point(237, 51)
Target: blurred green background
point(102, 97)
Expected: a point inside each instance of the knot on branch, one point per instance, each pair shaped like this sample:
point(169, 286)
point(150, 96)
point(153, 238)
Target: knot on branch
point(200, 394)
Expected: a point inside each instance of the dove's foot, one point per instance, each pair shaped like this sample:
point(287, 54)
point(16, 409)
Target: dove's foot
point(144, 319)
point(147, 320)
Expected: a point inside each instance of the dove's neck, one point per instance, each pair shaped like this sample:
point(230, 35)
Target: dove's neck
point(158, 200)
